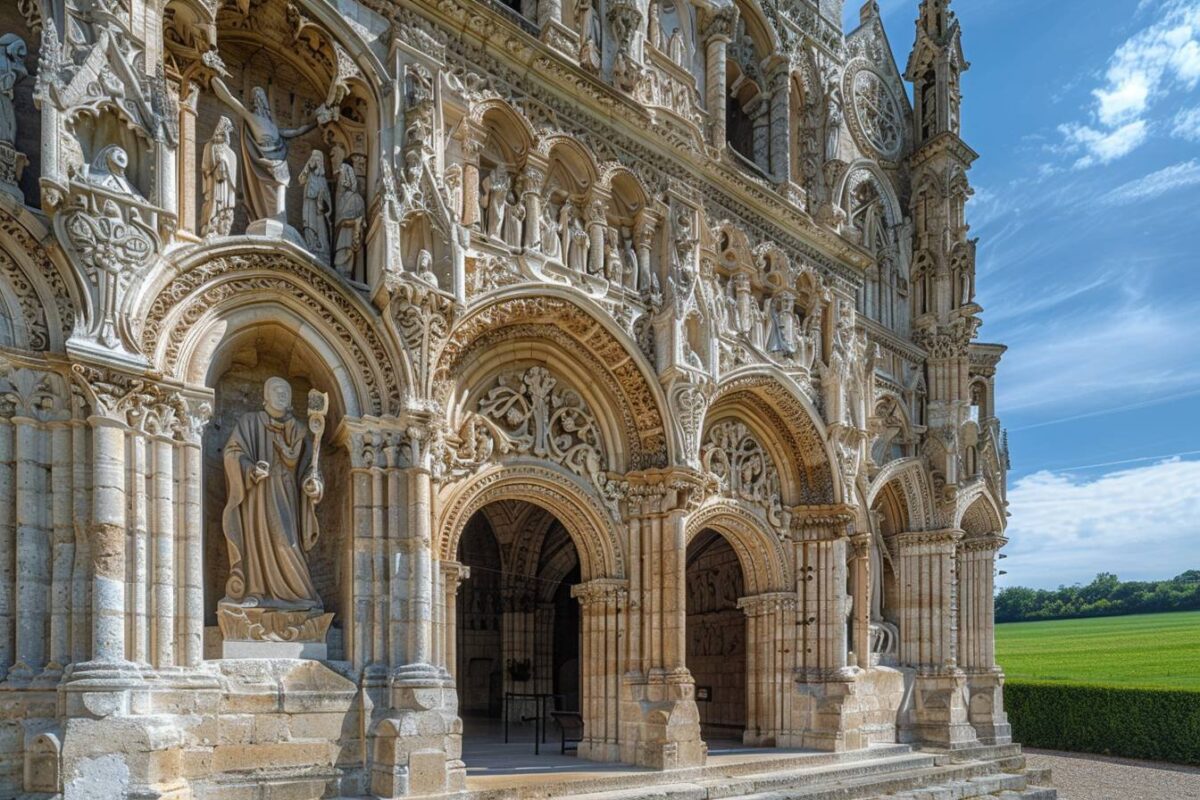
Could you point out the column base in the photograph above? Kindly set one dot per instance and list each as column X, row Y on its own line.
column 660, row 723
column 939, row 711
column 123, row 757
column 985, row 707
column 827, row 715
column 416, row 747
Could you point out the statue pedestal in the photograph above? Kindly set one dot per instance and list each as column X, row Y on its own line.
column 275, row 229
column 251, row 632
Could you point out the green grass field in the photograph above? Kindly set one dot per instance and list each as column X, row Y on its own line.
column 1149, row 651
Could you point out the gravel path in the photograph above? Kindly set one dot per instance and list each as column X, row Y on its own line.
column 1086, row 777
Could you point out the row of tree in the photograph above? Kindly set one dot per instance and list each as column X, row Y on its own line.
column 1106, row 596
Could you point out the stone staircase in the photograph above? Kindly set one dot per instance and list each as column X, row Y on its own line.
column 893, row 772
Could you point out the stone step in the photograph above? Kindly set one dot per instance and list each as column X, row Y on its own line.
column 1039, row 776
column 1030, row 793
column 959, row 781
column 776, row 781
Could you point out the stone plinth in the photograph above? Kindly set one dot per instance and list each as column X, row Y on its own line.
column 12, row 165
column 273, row 632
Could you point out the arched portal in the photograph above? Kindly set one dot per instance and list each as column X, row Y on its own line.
column 716, row 636
column 517, row 625
column 540, row 604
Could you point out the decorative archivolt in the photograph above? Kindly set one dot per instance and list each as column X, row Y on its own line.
column 616, row 365
column 176, row 309
column 907, row 476
column 532, row 413
column 976, row 511
column 744, row 470
column 41, row 306
column 762, row 555
column 806, row 473
column 593, row 529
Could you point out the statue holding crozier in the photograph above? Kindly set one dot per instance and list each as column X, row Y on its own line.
column 271, row 609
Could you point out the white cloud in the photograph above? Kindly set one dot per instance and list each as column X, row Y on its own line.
column 1187, row 125
column 1142, row 71
column 1105, row 146
column 1140, row 523
column 1176, row 176
column 1086, row 361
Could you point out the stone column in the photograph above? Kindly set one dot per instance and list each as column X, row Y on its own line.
column 139, row 574
column 603, row 606
column 191, row 521
column 163, row 499
column 535, row 180
column 780, row 140
column 827, row 683
column 63, row 555
column 415, row 742
column 595, row 227
column 717, row 35
column 660, row 724
column 108, row 541
column 860, row 567
column 977, row 638
column 770, row 669
column 472, row 148
column 645, row 226
column 928, row 632
column 189, row 95
column 8, row 546
column 33, row 552
column 453, row 574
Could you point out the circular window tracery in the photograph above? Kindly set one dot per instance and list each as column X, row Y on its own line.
column 877, row 113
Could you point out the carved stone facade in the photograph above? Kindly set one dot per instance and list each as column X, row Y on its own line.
column 647, row 331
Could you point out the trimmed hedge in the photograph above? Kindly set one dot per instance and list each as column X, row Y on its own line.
column 1156, row 724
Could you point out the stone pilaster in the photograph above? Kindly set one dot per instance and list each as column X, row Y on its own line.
column 780, row 120
column 825, row 703
column 415, row 738
column 928, row 637
column 717, row 35
column 660, row 724
column 770, row 669
column 603, row 607
column 977, row 638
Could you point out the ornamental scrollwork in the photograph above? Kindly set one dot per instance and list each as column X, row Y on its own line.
column 743, row 469
column 529, row 413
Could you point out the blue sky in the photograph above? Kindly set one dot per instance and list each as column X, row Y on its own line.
column 1086, row 114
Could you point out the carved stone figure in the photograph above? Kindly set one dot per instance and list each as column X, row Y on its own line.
column 425, row 268
column 588, row 16
column 264, row 154
column 13, row 53
column 551, row 235
column 270, row 514
column 493, row 200
column 629, row 259
column 219, row 171
column 348, row 222
column 578, row 243
column 317, row 206
column 107, row 171
column 833, row 123
column 514, row 222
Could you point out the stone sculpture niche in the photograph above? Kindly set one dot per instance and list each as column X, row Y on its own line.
column 272, row 467
column 13, row 53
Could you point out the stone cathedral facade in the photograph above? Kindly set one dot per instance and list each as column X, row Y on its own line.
column 369, row 365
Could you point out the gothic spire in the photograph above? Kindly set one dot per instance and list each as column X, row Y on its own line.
column 934, row 68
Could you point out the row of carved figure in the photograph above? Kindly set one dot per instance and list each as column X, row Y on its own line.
column 561, row 235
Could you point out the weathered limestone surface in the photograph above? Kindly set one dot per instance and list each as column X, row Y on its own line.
column 637, row 342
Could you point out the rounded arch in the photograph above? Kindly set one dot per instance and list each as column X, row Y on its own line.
column 907, row 479
column 765, row 564
column 591, row 527
column 977, row 513
column 211, row 295
column 777, row 406
column 38, row 295
column 573, row 155
column 510, row 126
column 582, row 333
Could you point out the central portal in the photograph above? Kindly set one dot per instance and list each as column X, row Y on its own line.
column 518, row 629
